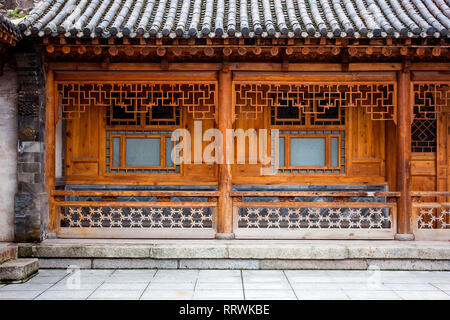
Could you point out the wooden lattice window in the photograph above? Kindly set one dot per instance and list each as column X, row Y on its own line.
column 429, row 99
column 310, row 140
column 310, row 151
column 140, row 152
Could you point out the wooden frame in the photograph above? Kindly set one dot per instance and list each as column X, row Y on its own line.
column 438, row 228
column 163, row 201
column 316, row 232
column 299, row 72
column 327, row 155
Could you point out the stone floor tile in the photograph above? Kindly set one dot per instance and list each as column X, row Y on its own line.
column 269, row 295
column 267, row 285
column 65, row 295
column 306, row 273
column 178, row 273
column 123, row 286
column 231, row 279
column 310, row 279
column 372, row 295
column 96, row 272
column 167, row 295
column 176, row 276
column 63, row 286
column 26, row 286
column 218, row 273
column 116, row 295
column 218, row 286
column 308, row 286
column 321, row 294
column 442, row 286
column 356, row 279
column 348, row 273
column 366, row 286
column 423, row 295
column 126, row 279
column 45, row 280
column 218, row 295
column 52, row 272
column 263, row 276
column 172, row 286
column 411, row 286
column 19, row 295
column 134, row 272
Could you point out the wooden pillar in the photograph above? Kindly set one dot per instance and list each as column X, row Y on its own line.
column 50, row 146
column 404, row 117
column 225, row 113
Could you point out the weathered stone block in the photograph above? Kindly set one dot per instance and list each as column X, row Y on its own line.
column 134, row 264
column 410, row 264
column 287, row 252
column 18, row 269
column 219, row 264
column 383, row 252
column 27, row 220
column 189, row 252
column 346, row 264
column 88, row 251
column 7, row 252
column 54, row 263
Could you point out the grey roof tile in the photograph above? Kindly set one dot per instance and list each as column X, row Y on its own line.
column 9, row 26
column 237, row 18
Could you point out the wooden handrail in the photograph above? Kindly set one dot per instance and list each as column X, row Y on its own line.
column 314, row 194
column 137, row 193
column 133, row 204
column 430, row 193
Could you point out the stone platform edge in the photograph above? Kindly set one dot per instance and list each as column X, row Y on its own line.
column 241, row 256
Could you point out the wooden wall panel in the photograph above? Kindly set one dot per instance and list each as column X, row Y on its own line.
column 366, row 144
column 83, row 143
column 423, row 172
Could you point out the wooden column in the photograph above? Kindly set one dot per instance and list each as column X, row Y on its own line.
column 404, row 117
column 50, row 146
column 225, row 112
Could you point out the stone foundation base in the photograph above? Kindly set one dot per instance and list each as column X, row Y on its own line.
column 239, row 254
column 247, row 264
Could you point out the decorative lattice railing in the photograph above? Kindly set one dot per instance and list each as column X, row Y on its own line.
column 430, row 215
column 315, row 215
column 135, row 214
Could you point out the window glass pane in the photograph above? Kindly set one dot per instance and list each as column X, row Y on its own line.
column 116, row 152
column 281, row 152
column 143, row 152
column 334, row 152
column 307, row 152
column 169, row 147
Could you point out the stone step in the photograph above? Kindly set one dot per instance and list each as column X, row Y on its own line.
column 18, row 270
column 8, row 251
column 240, row 254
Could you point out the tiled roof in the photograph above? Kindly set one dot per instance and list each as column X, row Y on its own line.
column 221, row 18
column 8, row 26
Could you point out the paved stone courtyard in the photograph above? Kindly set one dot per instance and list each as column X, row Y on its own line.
column 231, row 285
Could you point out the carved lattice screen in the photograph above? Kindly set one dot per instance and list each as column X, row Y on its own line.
column 430, row 98
column 378, row 99
column 199, row 98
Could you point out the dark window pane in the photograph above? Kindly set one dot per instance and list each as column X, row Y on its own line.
column 307, row 152
column 143, row 152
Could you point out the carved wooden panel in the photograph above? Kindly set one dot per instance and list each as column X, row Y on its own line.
column 138, row 97
column 378, row 99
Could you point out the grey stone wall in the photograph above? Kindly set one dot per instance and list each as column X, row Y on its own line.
column 31, row 201
column 8, row 150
